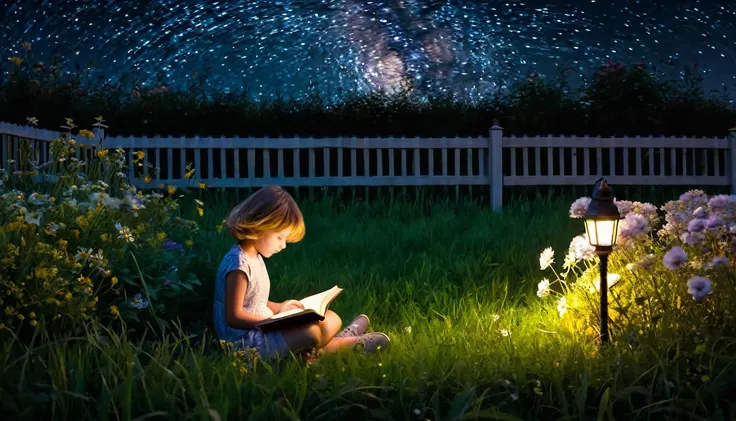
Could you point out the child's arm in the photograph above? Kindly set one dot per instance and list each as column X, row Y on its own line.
column 235, row 317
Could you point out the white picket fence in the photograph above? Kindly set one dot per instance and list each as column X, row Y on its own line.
column 530, row 161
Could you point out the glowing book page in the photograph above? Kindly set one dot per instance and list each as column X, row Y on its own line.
column 317, row 303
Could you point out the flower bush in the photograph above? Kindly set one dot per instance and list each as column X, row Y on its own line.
column 77, row 240
column 676, row 277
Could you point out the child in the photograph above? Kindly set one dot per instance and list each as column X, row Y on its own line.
column 262, row 225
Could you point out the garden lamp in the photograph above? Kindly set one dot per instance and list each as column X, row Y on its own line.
column 601, row 226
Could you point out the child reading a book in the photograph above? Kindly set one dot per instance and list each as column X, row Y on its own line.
column 262, row 225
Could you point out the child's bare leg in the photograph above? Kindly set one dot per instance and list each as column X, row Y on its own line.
column 337, row 343
column 319, row 335
column 330, row 326
column 302, row 337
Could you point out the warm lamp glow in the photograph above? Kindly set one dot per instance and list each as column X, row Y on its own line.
column 601, row 233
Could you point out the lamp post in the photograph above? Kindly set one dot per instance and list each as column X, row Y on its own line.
column 601, row 226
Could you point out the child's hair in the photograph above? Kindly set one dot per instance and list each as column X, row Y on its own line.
column 270, row 209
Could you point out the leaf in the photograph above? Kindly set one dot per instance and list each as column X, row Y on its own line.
column 460, row 404
column 603, row 407
column 631, row 390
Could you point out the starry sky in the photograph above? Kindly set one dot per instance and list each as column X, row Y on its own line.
column 469, row 48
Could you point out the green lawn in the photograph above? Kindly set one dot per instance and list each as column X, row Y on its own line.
column 453, row 285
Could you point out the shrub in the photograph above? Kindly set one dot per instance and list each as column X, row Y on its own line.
column 671, row 286
column 617, row 100
column 77, row 244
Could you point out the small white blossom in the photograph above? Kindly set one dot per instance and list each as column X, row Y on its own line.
column 562, row 306
column 543, row 288
column 546, row 258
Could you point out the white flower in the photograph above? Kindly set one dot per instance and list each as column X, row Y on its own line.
column 699, row 287
column 495, row 317
column 611, row 279
column 546, row 258
column 562, row 306
column 407, row 329
column 505, row 333
column 579, row 207
column 543, row 288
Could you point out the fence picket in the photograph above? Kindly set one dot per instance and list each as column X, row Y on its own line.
column 702, row 160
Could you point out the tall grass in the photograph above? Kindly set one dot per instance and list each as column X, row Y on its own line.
column 451, row 283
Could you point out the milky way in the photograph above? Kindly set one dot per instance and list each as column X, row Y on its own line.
column 467, row 48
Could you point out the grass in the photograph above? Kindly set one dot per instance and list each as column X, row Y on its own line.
column 442, row 280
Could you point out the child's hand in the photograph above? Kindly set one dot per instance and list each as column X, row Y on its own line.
column 291, row 304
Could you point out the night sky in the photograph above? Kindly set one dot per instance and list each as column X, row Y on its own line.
column 469, row 48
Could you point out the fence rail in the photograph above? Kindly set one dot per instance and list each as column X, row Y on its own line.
column 496, row 160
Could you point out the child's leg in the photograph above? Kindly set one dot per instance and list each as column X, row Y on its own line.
column 330, row 326
column 319, row 335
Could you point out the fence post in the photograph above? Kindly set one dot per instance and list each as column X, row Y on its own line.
column 495, row 166
column 732, row 160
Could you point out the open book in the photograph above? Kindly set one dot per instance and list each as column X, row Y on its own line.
column 315, row 307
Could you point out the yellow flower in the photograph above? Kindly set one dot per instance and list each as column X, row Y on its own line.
column 139, row 155
column 76, row 234
column 68, row 296
column 16, row 60
column 52, row 199
column 69, row 122
column 189, row 171
column 114, row 280
column 98, row 118
column 20, row 316
column 82, row 222
column 189, row 243
column 102, row 153
column 202, row 186
column 2, row 326
column 171, row 190
column 33, row 323
column 147, row 179
column 32, row 315
column 161, row 236
column 87, row 134
column 104, row 237
column 114, row 310
column 200, row 211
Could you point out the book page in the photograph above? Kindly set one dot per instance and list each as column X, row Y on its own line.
column 286, row 313
column 318, row 302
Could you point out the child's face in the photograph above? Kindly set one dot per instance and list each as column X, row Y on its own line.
column 272, row 242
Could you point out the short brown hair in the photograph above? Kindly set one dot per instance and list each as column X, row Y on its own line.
column 270, row 209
